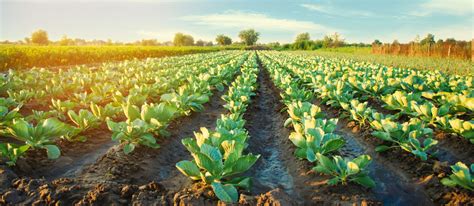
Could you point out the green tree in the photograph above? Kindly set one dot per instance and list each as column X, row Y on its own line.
column 200, row 42
column 337, row 40
column 181, row 39
column 249, row 36
column 302, row 37
column 223, row 40
column 377, row 42
column 428, row 40
column 40, row 37
column 327, row 41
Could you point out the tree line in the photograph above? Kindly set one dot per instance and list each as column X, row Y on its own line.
column 418, row 47
column 40, row 37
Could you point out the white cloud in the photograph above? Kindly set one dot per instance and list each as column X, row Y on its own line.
column 451, row 7
column 464, row 32
column 329, row 10
column 241, row 20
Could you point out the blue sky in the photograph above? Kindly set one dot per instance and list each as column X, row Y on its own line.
column 130, row 20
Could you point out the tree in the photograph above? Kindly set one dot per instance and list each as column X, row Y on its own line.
column 249, row 36
column 377, row 42
column 181, row 39
column 200, row 42
column 428, row 40
column 65, row 41
column 337, row 40
column 327, row 41
column 223, row 40
column 40, row 37
column 302, row 37
column 149, row 42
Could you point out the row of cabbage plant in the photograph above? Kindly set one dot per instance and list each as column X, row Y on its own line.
column 219, row 155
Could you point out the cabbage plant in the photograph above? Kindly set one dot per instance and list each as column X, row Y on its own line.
column 344, row 171
column 461, row 177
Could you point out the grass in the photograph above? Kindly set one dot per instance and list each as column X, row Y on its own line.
column 446, row 65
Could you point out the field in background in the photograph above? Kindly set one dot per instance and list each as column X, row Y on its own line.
column 447, row 65
column 21, row 57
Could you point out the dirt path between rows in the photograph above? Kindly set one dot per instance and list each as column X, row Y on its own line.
column 159, row 165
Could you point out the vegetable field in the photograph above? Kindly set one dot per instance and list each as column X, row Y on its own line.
column 245, row 127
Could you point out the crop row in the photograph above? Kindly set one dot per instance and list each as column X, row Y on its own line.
column 313, row 134
column 218, row 155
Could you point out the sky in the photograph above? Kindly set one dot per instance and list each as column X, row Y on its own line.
column 131, row 20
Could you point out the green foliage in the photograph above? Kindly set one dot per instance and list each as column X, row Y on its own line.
column 315, row 136
column 249, row 36
column 344, row 171
column 141, row 125
column 223, row 40
column 40, row 37
column 83, row 121
column 181, row 39
column 461, row 177
column 216, row 160
column 40, row 136
column 12, row 152
column 406, row 136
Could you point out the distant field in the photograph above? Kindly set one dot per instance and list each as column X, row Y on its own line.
column 451, row 66
column 21, row 57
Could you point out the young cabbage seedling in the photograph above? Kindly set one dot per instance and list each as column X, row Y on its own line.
column 42, row 135
column 461, row 177
column 344, row 171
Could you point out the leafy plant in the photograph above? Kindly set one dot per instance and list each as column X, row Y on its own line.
column 102, row 113
column 141, row 125
column 464, row 128
column 216, row 162
column 132, row 133
column 12, row 152
column 315, row 136
column 83, row 121
column 7, row 116
column 360, row 112
column 297, row 111
column 461, row 177
column 406, row 136
column 186, row 100
column 429, row 112
column 61, row 107
column 343, row 170
column 40, row 136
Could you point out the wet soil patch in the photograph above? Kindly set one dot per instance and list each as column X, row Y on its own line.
column 74, row 156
